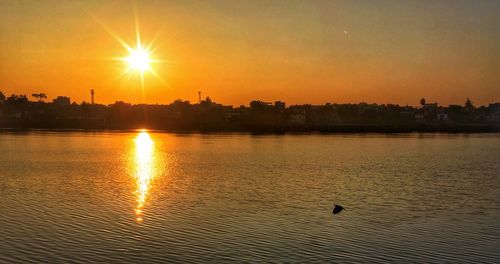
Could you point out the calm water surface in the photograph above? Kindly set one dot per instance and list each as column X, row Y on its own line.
column 147, row 197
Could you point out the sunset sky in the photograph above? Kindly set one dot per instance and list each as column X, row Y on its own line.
column 235, row 51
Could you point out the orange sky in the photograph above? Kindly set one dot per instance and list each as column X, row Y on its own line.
column 236, row 51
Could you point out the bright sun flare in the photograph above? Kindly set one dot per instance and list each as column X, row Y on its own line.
column 139, row 60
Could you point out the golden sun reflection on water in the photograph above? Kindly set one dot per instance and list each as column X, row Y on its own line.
column 145, row 170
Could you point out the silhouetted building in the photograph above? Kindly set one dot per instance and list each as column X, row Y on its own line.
column 17, row 111
column 297, row 118
column 442, row 115
column 494, row 112
column 279, row 105
column 258, row 104
column 430, row 107
column 61, row 101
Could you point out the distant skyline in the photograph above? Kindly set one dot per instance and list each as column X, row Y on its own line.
column 236, row 51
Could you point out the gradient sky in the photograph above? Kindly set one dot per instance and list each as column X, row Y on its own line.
column 235, row 51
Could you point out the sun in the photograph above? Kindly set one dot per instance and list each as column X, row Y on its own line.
column 139, row 60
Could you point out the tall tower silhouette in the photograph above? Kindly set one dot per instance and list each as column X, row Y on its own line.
column 92, row 96
column 199, row 97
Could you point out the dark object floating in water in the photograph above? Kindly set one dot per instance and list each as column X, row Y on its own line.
column 337, row 209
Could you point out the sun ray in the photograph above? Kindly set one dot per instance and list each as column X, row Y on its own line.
column 110, row 32
column 153, row 41
column 142, row 87
column 159, row 78
column 137, row 31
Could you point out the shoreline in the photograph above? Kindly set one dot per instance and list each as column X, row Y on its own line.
column 256, row 132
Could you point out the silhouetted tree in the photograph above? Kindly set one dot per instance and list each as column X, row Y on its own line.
column 2, row 97
column 258, row 104
column 469, row 107
column 16, row 103
column 39, row 96
column 261, row 116
column 17, row 99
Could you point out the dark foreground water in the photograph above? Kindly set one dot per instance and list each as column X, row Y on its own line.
column 150, row 197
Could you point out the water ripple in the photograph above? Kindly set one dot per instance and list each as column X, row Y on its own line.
column 238, row 198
